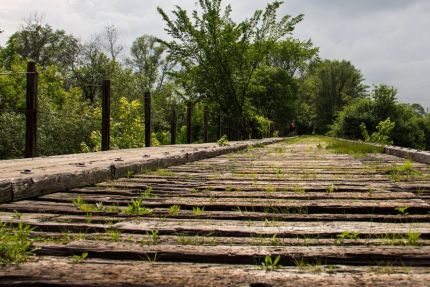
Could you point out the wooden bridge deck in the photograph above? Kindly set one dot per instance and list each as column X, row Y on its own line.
column 334, row 220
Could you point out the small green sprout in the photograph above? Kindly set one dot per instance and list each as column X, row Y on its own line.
column 402, row 210
column 79, row 258
column 136, row 208
column 197, row 211
column 174, row 210
column 270, row 264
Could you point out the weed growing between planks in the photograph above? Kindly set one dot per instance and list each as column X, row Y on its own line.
column 405, row 172
column 15, row 243
column 136, row 207
column 270, row 264
column 79, row 258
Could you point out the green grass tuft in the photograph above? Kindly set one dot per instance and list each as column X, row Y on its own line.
column 15, row 243
column 352, row 148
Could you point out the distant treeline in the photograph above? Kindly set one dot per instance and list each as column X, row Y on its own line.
column 253, row 76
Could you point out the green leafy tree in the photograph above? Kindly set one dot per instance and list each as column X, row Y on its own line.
column 275, row 95
column 385, row 101
column 293, row 56
column 409, row 130
column 39, row 42
column 331, row 85
column 359, row 111
column 149, row 61
column 225, row 54
column 92, row 67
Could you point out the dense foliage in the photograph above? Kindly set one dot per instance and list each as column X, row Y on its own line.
column 253, row 76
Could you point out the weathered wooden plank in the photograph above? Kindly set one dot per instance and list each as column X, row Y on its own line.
column 6, row 193
column 202, row 191
column 413, row 205
column 70, row 214
column 98, row 272
column 390, row 220
column 230, row 254
column 208, row 240
column 64, row 172
column 229, row 227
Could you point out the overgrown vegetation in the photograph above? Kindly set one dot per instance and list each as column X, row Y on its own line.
column 404, row 172
column 411, row 238
column 15, row 242
column 353, row 148
column 253, row 76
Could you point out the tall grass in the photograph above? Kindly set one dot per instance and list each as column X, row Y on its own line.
column 352, row 148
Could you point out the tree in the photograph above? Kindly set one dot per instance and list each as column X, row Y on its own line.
column 409, row 128
column 333, row 84
column 92, row 67
column 225, row 54
column 274, row 94
column 347, row 123
column 385, row 101
column 149, row 62
column 276, row 86
column 41, row 43
column 293, row 56
column 109, row 41
column 418, row 109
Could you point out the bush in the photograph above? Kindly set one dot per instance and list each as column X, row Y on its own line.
column 382, row 134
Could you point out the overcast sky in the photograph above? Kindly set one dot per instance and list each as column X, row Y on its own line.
column 388, row 40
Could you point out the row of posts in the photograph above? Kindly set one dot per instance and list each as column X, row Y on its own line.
column 31, row 116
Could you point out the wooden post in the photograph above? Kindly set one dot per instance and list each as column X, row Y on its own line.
column 219, row 126
column 205, row 124
column 106, row 115
column 270, row 130
column 31, row 111
column 189, row 120
column 173, row 128
column 147, row 119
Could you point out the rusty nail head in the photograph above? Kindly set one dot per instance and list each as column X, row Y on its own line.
column 81, row 164
column 27, row 171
